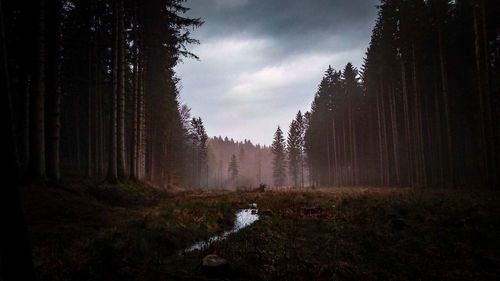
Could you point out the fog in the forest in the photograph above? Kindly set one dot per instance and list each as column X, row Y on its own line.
column 254, row 164
column 250, row 140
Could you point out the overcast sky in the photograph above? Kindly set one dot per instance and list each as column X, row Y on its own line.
column 262, row 60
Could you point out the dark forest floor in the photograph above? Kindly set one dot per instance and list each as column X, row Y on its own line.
column 133, row 232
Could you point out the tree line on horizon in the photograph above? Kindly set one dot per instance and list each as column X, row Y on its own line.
column 93, row 91
column 422, row 111
column 237, row 164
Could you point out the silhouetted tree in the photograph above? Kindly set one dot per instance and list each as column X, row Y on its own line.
column 293, row 149
column 279, row 151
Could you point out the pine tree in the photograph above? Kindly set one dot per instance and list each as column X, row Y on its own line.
column 294, row 151
column 199, row 150
column 301, row 125
column 352, row 94
column 279, row 164
column 203, row 149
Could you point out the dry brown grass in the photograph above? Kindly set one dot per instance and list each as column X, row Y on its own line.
column 131, row 232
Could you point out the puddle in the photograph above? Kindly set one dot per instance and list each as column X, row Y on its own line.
column 244, row 218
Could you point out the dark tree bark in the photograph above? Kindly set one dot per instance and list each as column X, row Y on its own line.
column 78, row 145
column 438, row 131
column 54, row 91
column 37, row 134
column 380, row 141
column 142, row 114
column 484, row 96
column 338, row 179
column 25, row 89
column 492, row 137
column 26, row 122
column 395, row 136
column 351, row 140
column 385, row 146
column 345, row 149
column 121, row 94
column 328, row 157
column 112, row 157
column 90, row 89
column 446, row 105
column 419, row 147
column 355, row 151
column 135, row 134
column 16, row 262
column 406, row 110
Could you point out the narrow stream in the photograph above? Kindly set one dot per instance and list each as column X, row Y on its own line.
column 244, row 218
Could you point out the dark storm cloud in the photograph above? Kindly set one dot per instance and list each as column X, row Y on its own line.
column 261, row 61
column 297, row 24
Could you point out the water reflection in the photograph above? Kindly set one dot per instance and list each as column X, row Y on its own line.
column 244, row 218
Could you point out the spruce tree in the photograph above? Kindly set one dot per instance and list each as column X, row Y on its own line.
column 294, row 151
column 203, row 137
column 299, row 119
column 279, row 165
column 199, row 149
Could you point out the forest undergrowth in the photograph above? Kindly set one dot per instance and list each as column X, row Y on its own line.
column 134, row 232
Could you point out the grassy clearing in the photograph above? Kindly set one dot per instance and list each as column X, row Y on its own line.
column 132, row 232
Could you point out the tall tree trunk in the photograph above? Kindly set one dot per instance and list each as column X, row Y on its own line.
column 25, row 143
column 480, row 94
column 446, row 105
column 380, row 140
column 54, row 91
column 150, row 151
column 7, row 112
column 385, row 148
column 89, row 91
column 142, row 115
column 328, row 158
column 492, row 136
column 338, row 179
column 76, row 114
column 112, row 158
column 352, row 144
column 345, row 149
column 438, row 132
column 97, row 90
column 135, row 81
column 301, row 166
column 97, row 119
column 27, row 40
column 387, row 179
column 395, row 136
column 355, row 151
column 406, row 112
column 483, row 91
column 419, row 156
column 16, row 262
column 38, row 99
column 102, row 135
column 121, row 94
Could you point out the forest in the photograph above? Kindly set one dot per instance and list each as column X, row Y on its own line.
column 421, row 111
column 391, row 174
